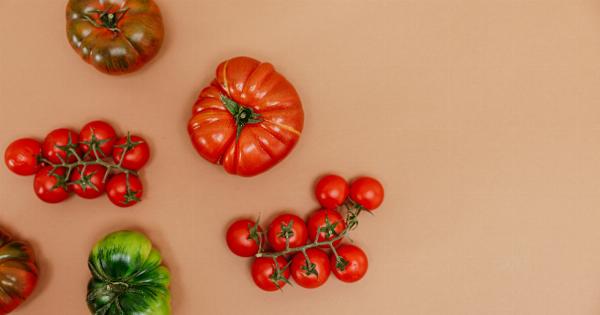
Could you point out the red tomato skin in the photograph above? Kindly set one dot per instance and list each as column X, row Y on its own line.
column 331, row 191
column 116, row 189
column 59, row 137
column 43, row 184
column 21, row 156
column 19, row 271
column 299, row 230
column 263, row 268
column 238, row 238
column 367, row 192
column 98, row 172
column 102, row 131
column 321, row 261
column 317, row 220
column 357, row 263
column 135, row 158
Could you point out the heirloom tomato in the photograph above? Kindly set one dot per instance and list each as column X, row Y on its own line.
column 327, row 224
column 21, row 156
column 18, row 272
column 287, row 226
column 310, row 274
column 352, row 265
column 267, row 275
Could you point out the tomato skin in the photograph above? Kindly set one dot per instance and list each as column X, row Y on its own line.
column 44, row 182
column 116, row 189
column 321, row 261
column 102, row 132
column 18, row 270
column 367, row 192
column 318, row 220
column 97, row 173
column 239, row 238
column 60, row 137
column 264, row 267
column 298, row 235
column 357, row 263
column 136, row 157
column 21, row 156
column 331, row 191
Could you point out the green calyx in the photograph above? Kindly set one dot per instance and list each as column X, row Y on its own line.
column 278, row 274
column 242, row 115
column 341, row 263
column 107, row 18
column 329, row 229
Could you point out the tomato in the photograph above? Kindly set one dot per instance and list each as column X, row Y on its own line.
column 244, row 237
column 21, row 156
column 91, row 184
column 287, row 225
column 99, row 134
column 328, row 223
column 116, row 37
column 266, row 276
column 248, row 119
column 314, row 274
column 331, row 191
column 367, row 192
column 18, row 272
column 51, row 186
column 120, row 193
column 59, row 145
column 138, row 152
column 352, row 265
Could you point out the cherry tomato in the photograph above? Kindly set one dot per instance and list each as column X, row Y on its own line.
column 100, row 134
column 120, row 194
column 21, row 156
column 51, row 186
column 330, row 223
column 314, row 274
column 59, row 144
column 265, row 275
column 137, row 154
column 331, row 191
column 352, row 265
column 90, row 185
column 287, row 224
column 243, row 237
column 367, row 192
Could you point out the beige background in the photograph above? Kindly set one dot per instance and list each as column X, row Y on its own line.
column 481, row 118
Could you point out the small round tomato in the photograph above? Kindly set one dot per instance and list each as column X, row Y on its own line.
column 244, row 237
column 290, row 226
column 352, row 264
column 331, row 191
column 123, row 194
column 367, row 192
column 59, row 145
column 313, row 274
column 328, row 224
column 133, row 150
column 91, row 184
column 269, row 277
column 100, row 135
column 50, row 186
column 21, row 156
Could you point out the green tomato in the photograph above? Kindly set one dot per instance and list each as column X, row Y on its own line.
column 127, row 277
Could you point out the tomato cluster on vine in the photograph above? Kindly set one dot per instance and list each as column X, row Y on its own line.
column 309, row 251
column 89, row 163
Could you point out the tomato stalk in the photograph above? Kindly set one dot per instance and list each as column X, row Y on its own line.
column 242, row 115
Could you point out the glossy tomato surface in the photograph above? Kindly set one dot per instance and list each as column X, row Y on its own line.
column 367, row 192
column 244, row 237
column 136, row 150
column 287, row 224
column 98, row 135
column 18, row 272
column 310, row 274
column 124, row 191
column 59, row 145
column 354, row 263
column 50, row 186
column 328, row 224
column 331, row 191
column 248, row 119
column 21, row 156
column 264, row 273
column 90, row 184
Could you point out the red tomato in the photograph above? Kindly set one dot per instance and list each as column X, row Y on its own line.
column 331, row 191
column 287, row 224
column 243, row 237
column 367, row 192
column 59, row 144
column 265, row 275
column 21, row 156
column 353, row 263
column 314, row 274
column 90, row 185
column 51, row 187
column 248, row 119
column 120, row 194
column 99, row 134
column 330, row 223
column 138, row 152
column 18, row 272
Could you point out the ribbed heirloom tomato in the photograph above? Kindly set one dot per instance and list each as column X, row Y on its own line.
column 248, row 119
column 18, row 272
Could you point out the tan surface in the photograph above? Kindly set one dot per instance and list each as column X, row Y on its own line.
column 482, row 119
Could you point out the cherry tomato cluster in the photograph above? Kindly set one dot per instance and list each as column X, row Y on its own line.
column 293, row 247
column 88, row 163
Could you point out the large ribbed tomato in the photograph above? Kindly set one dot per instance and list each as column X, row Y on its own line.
column 18, row 273
column 248, row 119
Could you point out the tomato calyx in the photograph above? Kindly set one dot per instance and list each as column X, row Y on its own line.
column 107, row 18
column 117, row 287
column 95, row 144
column 68, row 148
column 309, row 267
column 329, row 228
column 242, row 115
column 61, row 180
column 131, row 195
column 279, row 274
column 85, row 181
column 255, row 233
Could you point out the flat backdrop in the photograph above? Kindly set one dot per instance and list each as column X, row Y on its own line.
column 481, row 118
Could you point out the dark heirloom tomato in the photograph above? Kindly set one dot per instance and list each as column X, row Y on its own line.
column 248, row 119
column 115, row 36
column 18, row 272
